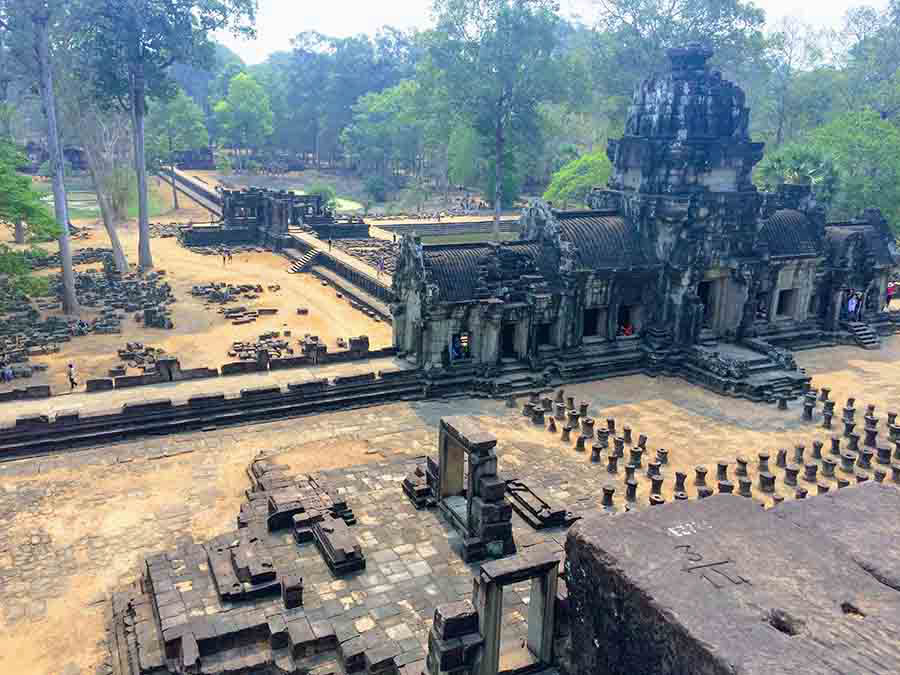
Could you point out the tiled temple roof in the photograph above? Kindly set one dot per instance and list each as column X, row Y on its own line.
column 456, row 269
column 790, row 233
column 602, row 241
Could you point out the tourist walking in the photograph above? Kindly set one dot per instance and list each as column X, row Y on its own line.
column 70, row 371
column 228, row 253
column 224, row 258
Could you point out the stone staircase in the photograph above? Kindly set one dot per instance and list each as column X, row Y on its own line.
column 300, row 262
column 864, row 335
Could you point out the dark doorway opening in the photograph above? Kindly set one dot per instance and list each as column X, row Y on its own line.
column 787, row 302
column 508, row 341
column 591, row 321
column 624, row 321
column 543, row 334
column 704, row 291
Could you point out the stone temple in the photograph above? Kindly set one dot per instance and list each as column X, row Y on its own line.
column 678, row 266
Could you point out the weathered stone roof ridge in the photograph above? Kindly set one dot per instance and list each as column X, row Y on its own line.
column 790, row 233
column 603, row 241
column 455, row 268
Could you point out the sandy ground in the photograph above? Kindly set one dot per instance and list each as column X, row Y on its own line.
column 77, row 525
column 202, row 336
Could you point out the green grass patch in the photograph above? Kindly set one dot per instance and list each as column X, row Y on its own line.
column 467, row 238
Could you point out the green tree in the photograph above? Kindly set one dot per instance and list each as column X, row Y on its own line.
column 245, row 115
column 326, row 192
column 575, row 180
column 499, row 61
column 20, row 204
column 634, row 35
column 464, row 152
column 174, row 126
column 800, row 163
column 865, row 151
column 29, row 24
column 135, row 43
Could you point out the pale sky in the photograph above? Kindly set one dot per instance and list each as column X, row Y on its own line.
column 280, row 20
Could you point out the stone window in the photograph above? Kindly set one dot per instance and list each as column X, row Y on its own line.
column 787, row 303
column 592, row 322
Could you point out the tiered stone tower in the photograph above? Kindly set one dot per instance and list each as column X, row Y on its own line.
column 682, row 175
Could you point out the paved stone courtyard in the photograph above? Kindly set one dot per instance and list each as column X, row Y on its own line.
column 77, row 526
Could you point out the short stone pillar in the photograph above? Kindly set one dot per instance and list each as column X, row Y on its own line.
column 560, row 414
column 611, row 425
column 853, row 442
column 603, row 438
column 864, row 460
column 726, row 487
column 612, row 465
column 608, row 492
column 790, row 474
column 704, row 492
column 636, row 456
column 822, row 488
column 528, row 409
column 810, row 472
column 800, row 493
column 721, row 470
column 579, row 443
column 619, row 445
column 587, row 426
column 662, row 455
column 781, row 458
column 798, row 453
column 573, row 417
column 828, row 466
column 745, row 487
column 763, row 461
column 826, row 419
column 817, row 449
column 700, row 476
column 657, row 500
column 653, row 469
column 547, row 402
column 564, row 436
column 551, row 425
column 835, row 446
column 871, row 438
column 631, row 487
column 583, row 408
column 642, row 442
column 570, row 402
column 626, row 434
column 629, row 470
column 680, row 477
column 808, row 407
column 595, row 452
column 848, row 428
column 537, row 416
column 884, row 456
column 741, row 467
column 767, row 482
column 848, row 462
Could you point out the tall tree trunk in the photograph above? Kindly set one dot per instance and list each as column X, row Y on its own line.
column 106, row 212
column 20, row 232
column 42, row 30
column 499, row 146
column 138, row 112
column 174, row 189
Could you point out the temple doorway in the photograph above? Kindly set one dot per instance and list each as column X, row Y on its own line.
column 707, row 297
column 508, row 341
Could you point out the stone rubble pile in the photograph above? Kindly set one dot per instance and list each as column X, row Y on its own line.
column 274, row 344
column 371, row 251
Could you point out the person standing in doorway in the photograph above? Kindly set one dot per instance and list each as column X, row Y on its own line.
column 70, row 371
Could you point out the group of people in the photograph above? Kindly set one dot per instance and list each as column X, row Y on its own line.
column 226, row 257
column 6, row 372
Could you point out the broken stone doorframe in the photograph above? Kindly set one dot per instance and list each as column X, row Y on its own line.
column 542, row 568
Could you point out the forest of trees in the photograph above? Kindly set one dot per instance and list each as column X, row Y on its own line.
column 503, row 97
